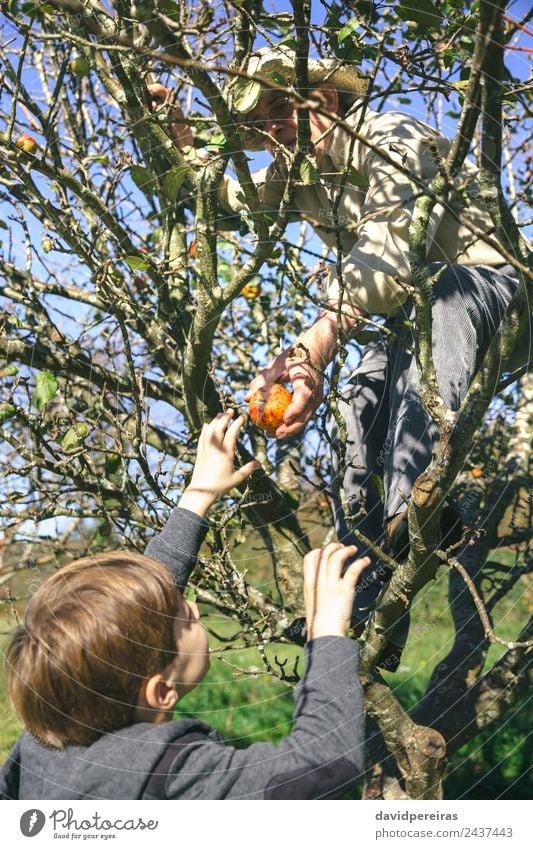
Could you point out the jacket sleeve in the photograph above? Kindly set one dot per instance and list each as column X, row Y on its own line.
column 322, row 756
column 178, row 543
column 372, row 273
column 270, row 182
column 10, row 775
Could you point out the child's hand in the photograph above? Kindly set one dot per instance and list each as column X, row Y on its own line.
column 214, row 472
column 329, row 596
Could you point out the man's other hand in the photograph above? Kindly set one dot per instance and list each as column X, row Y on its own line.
column 164, row 98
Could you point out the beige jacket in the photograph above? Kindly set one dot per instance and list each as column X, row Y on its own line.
column 373, row 219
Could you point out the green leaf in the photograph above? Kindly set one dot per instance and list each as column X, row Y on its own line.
column 354, row 178
column 143, row 178
column 218, row 143
column 45, row 388
column 288, row 41
column 280, row 23
column 308, row 172
column 246, row 94
column 190, row 594
column 30, row 8
column 15, row 321
column 7, row 411
column 103, row 158
column 173, row 181
column 348, row 29
column 3, row 225
column 421, row 12
column 461, row 85
column 170, row 9
column 74, row 437
column 276, row 77
column 224, row 270
column 137, row 263
column 112, row 464
column 379, row 484
column 11, row 371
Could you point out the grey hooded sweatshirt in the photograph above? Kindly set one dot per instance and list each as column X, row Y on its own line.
column 186, row 759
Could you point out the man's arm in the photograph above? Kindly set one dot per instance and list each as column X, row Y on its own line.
column 316, row 347
column 270, row 181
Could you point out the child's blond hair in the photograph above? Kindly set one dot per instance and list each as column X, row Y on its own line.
column 92, row 632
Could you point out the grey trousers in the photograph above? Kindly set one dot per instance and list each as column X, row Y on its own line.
column 390, row 436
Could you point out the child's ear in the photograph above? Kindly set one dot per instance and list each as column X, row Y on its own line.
column 159, row 693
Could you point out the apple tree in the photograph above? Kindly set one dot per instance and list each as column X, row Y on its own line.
column 134, row 309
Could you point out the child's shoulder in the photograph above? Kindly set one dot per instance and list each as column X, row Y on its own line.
column 115, row 766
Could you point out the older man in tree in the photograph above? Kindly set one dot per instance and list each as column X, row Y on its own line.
column 361, row 206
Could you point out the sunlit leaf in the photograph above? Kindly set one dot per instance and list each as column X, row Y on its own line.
column 348, row 29
column 74, row 437
column 288, row 41
column 7, row 411
column 218, row 143
column 137, row 263
column 246, row 95
column 308, row 172
column 45, row 388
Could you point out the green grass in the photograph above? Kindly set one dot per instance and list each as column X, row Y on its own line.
column 255, row 707
column 498, row 761
column 246, row 708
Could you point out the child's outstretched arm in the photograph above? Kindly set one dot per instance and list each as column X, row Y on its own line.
column 323, row 754
column 214, row 474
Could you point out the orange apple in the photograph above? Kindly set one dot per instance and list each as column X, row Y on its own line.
column 27, row 143
column 267, row 406
column 251, row 291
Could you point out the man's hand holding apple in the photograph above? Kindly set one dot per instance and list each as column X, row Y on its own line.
column 303, row 364
column 307, row 386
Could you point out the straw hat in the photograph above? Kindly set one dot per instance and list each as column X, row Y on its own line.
column 278, row 64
